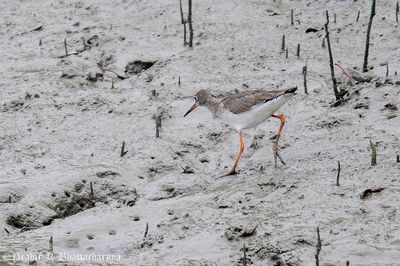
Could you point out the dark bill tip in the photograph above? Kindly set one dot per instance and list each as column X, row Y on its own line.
column 291, row 90
column 191, row 109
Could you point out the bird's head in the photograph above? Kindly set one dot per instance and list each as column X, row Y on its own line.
column 200, row 99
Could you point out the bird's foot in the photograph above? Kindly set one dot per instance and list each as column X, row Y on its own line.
column 232, row 172
column 274, row 137
column 275, row 151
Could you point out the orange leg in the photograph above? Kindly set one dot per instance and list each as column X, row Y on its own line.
column 275, row 148
column 241, row 149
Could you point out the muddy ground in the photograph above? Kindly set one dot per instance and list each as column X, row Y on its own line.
column 64, row 118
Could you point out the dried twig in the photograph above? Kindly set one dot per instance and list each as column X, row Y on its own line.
column 358, row 16
column 91, row 190
column 8, row 232
column 387, row 69
column 335, row 90
column 91, row 195
column 123, row 151
column 147, row 230
column 51, row 244
column 183, row 168
column 305, row 79
column 338, row 174
column 84, row 44
column 291, row 17
column 397, row 12
column 318, row 248
column 190, row 24
column 369, row 191
column 158, row 125
column 186, row 170
column 244, row 255
column 373, row 153
column 287, row 53
column 365, row 65
column 344, row 71
column 181, row 10
column 66, row 50
column 183, row 22
column 65, row 47
column 112, row 71
column 298, row 50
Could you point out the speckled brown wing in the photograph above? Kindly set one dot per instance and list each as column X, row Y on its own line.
column 245, row 100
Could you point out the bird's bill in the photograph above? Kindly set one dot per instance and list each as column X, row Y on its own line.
column 191, row 108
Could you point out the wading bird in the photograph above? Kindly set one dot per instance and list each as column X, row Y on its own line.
column 245, row 110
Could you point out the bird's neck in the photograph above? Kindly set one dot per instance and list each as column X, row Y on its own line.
column 213, row 106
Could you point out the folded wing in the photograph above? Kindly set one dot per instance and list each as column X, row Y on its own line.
column 244, row 101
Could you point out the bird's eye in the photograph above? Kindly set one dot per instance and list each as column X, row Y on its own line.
column 196, row 98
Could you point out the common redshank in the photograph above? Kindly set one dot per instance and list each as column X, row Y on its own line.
column 245, row 110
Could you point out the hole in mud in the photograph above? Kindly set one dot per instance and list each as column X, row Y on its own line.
column 69, row 202
column 73, row 206
column 137, row 66
column 83, row 198
column 16, row 221
column 48, row 222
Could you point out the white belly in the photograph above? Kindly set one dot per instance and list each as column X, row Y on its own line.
column 256, row 115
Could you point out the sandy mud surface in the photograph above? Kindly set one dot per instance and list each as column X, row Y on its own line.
column 64, row 118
